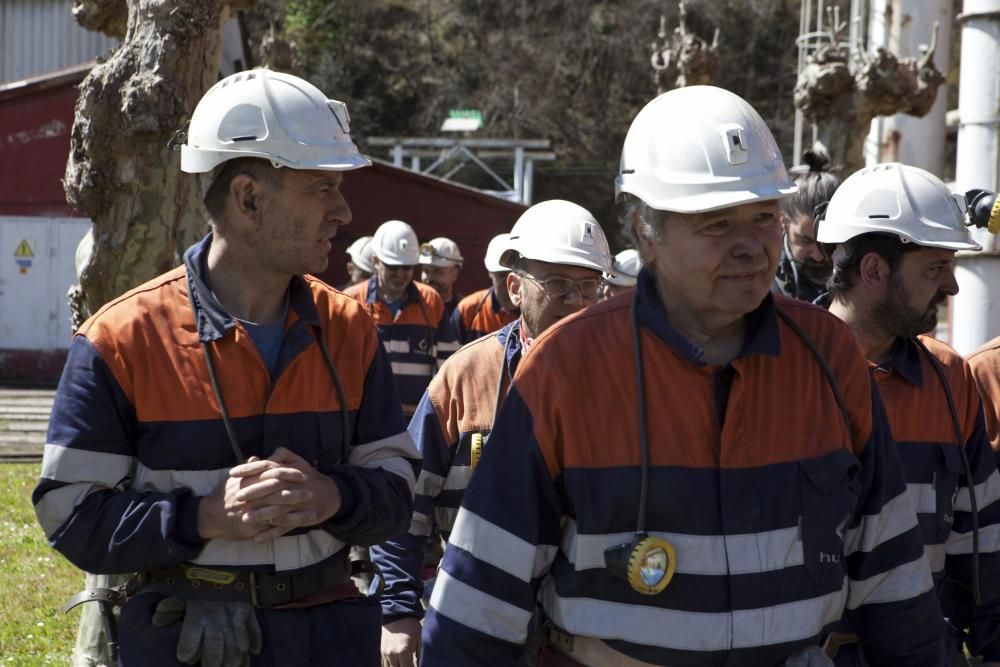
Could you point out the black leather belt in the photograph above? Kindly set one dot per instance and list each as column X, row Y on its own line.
column 262, row 589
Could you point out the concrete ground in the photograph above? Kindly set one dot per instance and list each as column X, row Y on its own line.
column 24, row 418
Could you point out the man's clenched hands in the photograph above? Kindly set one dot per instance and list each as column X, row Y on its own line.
column 265, row 498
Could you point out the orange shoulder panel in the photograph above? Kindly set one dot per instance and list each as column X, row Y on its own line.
column 580, row 384
column 985, row 366
column 464, row 390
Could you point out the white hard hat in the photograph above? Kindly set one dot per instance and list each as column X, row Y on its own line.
column 558, row 232
column 395, row 244
column 440, row 252
column 895, row 198
column 700, row 148
column 271, row 115
column 625, row 268
column 496, row 248
column 361, row 253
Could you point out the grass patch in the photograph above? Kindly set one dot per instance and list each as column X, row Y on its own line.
column 35, row 580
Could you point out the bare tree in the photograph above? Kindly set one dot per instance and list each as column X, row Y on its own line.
column 121, row 171
column 842, row 97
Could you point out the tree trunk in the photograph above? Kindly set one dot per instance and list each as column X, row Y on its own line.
column 121, row 171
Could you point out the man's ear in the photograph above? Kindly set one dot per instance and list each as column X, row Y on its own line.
column 245, row 194
column 514, row 284
column 873, row 270
column 643, row 244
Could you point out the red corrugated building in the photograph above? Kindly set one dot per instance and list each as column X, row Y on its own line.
column 36, row 117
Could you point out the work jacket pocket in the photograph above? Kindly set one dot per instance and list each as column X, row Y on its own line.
column 830, row 490
column 946, row 476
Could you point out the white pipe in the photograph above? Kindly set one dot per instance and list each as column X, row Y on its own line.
column 976, row 320
column 901, row 138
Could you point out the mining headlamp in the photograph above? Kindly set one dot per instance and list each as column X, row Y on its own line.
column 647, row 563
column 984, row 209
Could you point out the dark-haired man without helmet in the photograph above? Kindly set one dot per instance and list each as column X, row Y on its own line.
column 803, row 269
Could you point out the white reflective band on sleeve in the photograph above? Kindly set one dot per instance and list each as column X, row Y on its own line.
column 444, row 346
column 900, row 583
column 961, row 543
column 897, row 517
column 416, row 370
column 474, row 609
column 393, row 454
column 420, row 525
column 429, row 484
column 750, row 553
column 66, row 464
column 458, row 478
column 58, row 504
column 288, row 552
column 492, row 544
column 693, row 631
column 987, row 493
column 201, row 482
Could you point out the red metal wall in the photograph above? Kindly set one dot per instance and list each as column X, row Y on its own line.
column 35, row 122
column 432, row 207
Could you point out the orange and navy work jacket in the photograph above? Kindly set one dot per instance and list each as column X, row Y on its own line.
column 985, row 365
column 783, row 517
column 459, row 403
column 478, row 314
column 418, row 338
column 136, row 434
column 924, row 430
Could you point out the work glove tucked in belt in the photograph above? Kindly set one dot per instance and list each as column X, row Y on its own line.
column 216, row 634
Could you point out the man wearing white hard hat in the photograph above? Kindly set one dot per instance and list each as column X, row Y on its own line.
column 229, row 428
column 409, row 314
column 555, row 256
column 488, row 309
column 893, row 231
column 440, row 262
column 624, row 273
column 359, row 262
column 647, row 481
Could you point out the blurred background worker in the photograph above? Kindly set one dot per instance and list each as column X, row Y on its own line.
column 410, row 315
column 803, row 269
column 440, row 263
column 556, row 254
column 488, row 309
column 646, row 480
column 896, row 229
column 623, row 273
column 359, row 261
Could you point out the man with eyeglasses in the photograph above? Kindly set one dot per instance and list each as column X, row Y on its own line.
column 410, row 315
column 556, row 255
column 440, row 262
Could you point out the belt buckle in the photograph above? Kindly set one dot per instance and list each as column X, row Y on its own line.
column 253, row 589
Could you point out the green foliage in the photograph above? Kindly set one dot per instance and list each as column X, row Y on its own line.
column 36, row 581
column 572, row 71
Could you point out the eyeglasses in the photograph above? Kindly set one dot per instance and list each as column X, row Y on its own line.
column 556, row 286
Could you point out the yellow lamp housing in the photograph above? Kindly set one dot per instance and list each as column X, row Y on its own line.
column 647, row 563
column 475, row 450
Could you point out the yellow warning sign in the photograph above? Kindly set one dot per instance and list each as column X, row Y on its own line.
column 24, row 250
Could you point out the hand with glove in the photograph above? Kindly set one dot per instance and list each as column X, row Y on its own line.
column 213, row 634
